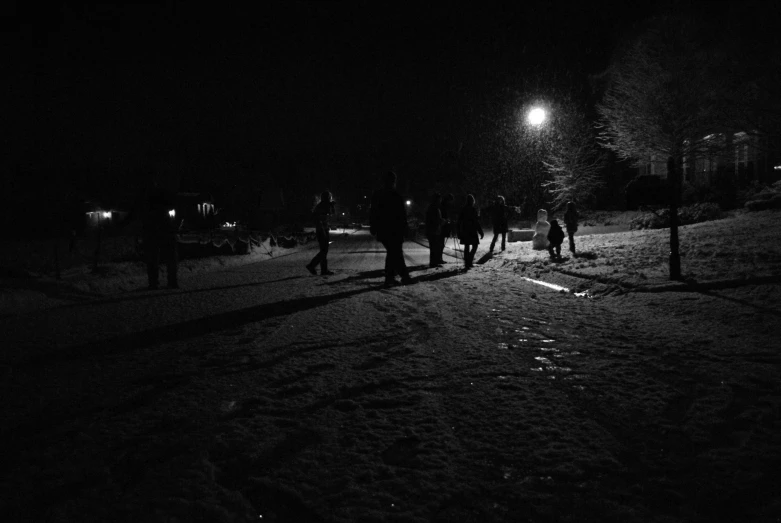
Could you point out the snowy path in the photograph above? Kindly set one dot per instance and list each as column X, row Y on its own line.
column 263, row 390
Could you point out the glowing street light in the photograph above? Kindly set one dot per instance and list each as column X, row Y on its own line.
column 409, row 202
column 536, row 116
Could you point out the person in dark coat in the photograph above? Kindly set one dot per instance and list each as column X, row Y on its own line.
column 555, row 239
column 434, row 224
column 388, row 222
column 159, row 226
column 321, row 212
column 468, row 229
column 499, row 222
column 449, row 216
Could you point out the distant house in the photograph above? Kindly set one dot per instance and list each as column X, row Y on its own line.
column 738, row 156
column 98, row 216
column 196, row 210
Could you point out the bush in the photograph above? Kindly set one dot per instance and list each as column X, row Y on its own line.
column 697, row 213
column 750, row 192
column 761, row 197
column 772, row 202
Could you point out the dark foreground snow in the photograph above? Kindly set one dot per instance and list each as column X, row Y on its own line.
column 261, row 393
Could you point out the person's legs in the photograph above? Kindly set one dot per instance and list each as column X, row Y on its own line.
column 571, row 241
column 493, row 242
column 324, row 253
column 399, row 264
column 504, row 240
column 469, row 254
column 390, row 273
column 322, row 241
column 314, row 263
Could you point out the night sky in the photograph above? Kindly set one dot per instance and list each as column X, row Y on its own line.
column 339, row 90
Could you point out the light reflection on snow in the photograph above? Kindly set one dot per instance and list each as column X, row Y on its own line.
column 558, row 288
column 546, row 284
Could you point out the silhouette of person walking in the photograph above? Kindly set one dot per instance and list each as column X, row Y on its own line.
column 434, row 225
column 499, row 222
column 468, row 229
column 321, row 212
column 159, row 224
column 388, row 222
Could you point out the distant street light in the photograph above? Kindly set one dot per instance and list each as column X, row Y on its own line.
column 536, row 116
column 409, row 202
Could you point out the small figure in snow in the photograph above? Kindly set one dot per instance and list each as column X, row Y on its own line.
column 571, row 222
column 388, row 221
column 541, row 228
column 468, row 229
column 321, row 212
column 434, row 225
column 555, row 239
column 499, row 221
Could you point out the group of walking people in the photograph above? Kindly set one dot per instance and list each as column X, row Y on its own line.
column 388, row 223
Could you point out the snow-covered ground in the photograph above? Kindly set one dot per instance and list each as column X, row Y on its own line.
column 257, row 392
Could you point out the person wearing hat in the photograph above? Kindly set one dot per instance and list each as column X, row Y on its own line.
column 321, row 212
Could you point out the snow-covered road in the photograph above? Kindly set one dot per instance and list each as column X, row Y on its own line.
column 265, row 391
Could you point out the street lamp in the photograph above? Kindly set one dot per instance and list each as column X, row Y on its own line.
column 409, row 202
column 536, row 116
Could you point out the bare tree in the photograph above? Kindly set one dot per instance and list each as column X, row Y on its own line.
column 662, row 95
column 663, row 100
column 575, row 165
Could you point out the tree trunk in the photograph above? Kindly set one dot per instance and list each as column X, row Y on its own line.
column 673, row 179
